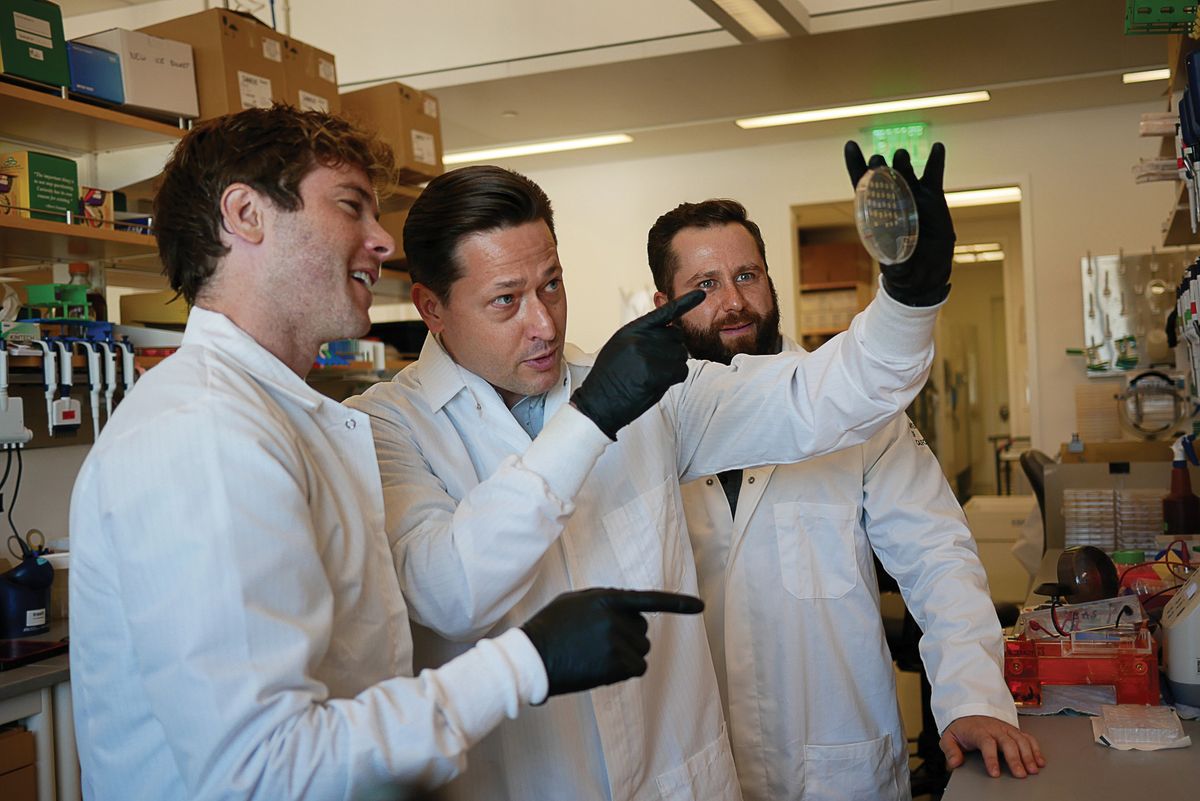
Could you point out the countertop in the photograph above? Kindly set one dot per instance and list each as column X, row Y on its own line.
column 1076, row 767
column 36, row 675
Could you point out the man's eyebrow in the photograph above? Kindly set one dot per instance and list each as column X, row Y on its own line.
column 701, row 274
column 364, row 194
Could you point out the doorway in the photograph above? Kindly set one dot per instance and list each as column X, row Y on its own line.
column 976, row 400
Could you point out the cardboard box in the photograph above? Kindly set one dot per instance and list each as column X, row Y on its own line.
column 158, row 75
column 311, row 77
column 405, row 118
column 239, row 61
column 16, row 750
column 164, row 309
column 393, row 223
column 96, row 207
column 19, row 785
column 48, row 185
column 32, row 45
column 834, row 262
column 95, row 72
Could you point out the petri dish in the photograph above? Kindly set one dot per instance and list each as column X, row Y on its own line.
column 886, row 215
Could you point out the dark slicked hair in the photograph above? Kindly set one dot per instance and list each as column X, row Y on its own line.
column 269, row 149
column 460, row 203
column 663, row 259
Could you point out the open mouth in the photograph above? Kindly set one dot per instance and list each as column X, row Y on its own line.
column 365, row 278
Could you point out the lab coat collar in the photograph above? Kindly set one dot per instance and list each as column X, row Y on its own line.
column 209, row 329
column 441, row 378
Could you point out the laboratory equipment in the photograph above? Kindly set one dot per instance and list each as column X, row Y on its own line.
column 1059, row 620
column 886, row 215
column 1086, row 573
column 1122, row 659
column 1181, row 642
column 25, row 598
column 1181, row 507
column 67, row 412
column 13, row 432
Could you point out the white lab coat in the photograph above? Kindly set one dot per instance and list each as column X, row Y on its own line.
column 793, row 619
column 486, row 527
column 236, row 624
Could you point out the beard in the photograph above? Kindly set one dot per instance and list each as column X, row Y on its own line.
column 707, row 344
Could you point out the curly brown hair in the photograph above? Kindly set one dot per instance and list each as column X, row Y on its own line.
column 269, row 149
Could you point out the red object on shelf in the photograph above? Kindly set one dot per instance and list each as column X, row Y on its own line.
column 1128, row 663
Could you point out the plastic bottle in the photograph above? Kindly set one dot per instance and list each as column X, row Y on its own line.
column 1181, row 507
column 81, row 276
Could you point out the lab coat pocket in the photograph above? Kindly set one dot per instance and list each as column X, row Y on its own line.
column 816, row 548
column 854, row 771
column 708, row 775
column 645, row 536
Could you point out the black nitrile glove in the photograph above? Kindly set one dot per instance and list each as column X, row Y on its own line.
column 595, row 637
column 924, row 279
column 634, row 368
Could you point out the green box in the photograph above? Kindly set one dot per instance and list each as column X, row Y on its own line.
column 1146, row 17
column 42, row 186
column 56, row 300
column 32, row 45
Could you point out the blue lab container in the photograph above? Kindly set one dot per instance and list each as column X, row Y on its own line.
column 95, row 72
column 25, row 598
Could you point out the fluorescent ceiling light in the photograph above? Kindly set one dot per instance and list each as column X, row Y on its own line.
column 865, row 109
column 1146, row 75
column 749, row 15
column 984, row 197
column 980, row 248
column 510, row 151
column 972, row 258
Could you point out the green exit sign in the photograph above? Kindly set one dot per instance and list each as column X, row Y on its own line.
column 913, row 137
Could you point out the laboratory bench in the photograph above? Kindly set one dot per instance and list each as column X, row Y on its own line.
column 1076, row 766
column 39, row 696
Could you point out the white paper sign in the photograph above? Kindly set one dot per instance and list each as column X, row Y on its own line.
column 311, row 102
column 272, row 50
column 423, row 148
column 326, row 71
column 255, row 90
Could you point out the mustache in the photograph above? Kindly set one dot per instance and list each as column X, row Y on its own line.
column 735, row 320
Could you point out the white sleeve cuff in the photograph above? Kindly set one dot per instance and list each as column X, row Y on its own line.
column 894, row 332
column 565, row 451
column 533, row 683
column 1007, row 713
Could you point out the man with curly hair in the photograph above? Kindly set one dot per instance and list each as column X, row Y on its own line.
column 237, row 628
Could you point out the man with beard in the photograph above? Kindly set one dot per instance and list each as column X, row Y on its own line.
column 784, row 559
column 515, row 467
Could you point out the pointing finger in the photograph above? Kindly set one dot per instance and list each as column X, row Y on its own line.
column 673, row 310
column 653, row 601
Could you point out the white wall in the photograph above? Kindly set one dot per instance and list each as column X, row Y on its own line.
column 1074, row 168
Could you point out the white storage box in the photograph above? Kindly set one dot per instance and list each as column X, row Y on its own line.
column 159, row 74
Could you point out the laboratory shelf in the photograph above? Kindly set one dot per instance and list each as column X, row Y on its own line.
column 1177, row 229
column 38, row 118
column 26, row 241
